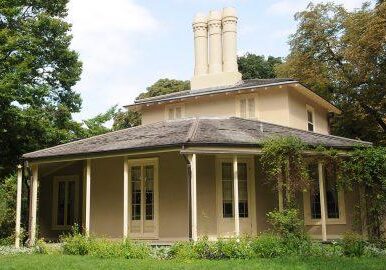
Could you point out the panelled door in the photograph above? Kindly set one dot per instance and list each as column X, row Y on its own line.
column 143, row 198
column 225, row 197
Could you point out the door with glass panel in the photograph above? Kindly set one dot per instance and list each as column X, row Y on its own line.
column 143, row 198
column 225, row 197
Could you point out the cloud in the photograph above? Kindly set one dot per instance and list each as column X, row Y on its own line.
column 108, row 36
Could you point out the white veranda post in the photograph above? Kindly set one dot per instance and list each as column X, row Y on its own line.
column 236, row 196
column 322, row 195
column 33, row 204
column 125, row 197
column 18, row 205
column 87, row 195
column 193, row 195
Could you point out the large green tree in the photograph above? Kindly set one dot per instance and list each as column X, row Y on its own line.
column 342, row 56
column 253, row 66
column 37, row 72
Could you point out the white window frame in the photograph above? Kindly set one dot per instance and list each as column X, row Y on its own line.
column 174, row 107
column 143, row 235
column 312, row 110
column 56, row 180
column 308, row 220
column 246, row 97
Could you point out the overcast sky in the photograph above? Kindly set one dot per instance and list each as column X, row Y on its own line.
column 126, row 45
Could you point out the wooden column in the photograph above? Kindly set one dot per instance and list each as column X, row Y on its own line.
column 280, row 194
column 33, row 204
column 322, row 195
column 18, row 205
column 87, row 191
column 193, row 195
column 125, row 197
column 236, row 197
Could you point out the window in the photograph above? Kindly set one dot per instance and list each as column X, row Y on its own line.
column 227, row 189
column 310, row 119
column 174, row 112
column 65, row 202
column 334, row 199
column 246, row 107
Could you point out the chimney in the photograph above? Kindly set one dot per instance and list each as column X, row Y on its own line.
column 219, row 29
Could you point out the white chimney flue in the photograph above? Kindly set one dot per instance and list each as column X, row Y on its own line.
column 200, row 29
column 216, row 66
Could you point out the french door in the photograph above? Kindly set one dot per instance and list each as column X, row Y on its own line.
column 225, row 197
column 143, row 198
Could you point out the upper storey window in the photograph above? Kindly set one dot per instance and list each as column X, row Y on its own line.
column 246, row 106
column 310, row 118
column 174, row 112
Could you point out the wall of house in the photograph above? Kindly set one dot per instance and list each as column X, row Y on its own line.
column 283, row 106
column 298, row 113
column 47, row 173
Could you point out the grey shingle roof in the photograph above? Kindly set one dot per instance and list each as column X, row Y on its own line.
column 206, row 91
column 231, row 131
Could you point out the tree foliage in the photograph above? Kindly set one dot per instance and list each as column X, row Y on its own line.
column 367, row 168
column 342, row 56
column 37, row 73
column 164, row 86
column 284, row 164
column 253, row 66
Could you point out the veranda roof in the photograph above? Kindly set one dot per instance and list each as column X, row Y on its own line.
column 232, row 131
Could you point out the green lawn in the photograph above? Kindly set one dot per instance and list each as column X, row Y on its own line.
column 41, row 262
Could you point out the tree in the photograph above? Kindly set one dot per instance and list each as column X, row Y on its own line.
column 254, row 66
column 164, row 86
column 342, row 56
column 96, row 125
column 37, row 73
column 126, row 119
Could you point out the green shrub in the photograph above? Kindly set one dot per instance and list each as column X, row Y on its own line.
column 204, row 249
column 75, row 243
column 41, row 247
column 268, row 245
column 318, row 249
column 353, row 244
column 104, row 248
column 286, row 223
column 374, row 251
column 183, row 250
column 135, row 250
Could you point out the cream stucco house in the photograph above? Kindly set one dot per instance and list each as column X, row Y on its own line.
column 191, row 169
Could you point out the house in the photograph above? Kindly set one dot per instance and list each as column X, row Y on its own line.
column 192, row 168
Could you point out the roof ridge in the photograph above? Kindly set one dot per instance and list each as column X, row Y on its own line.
column 193, row 130
column 302, row 130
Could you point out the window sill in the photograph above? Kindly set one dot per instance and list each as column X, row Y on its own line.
column 330, row 221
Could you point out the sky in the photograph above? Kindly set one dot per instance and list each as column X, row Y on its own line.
column 127, row 45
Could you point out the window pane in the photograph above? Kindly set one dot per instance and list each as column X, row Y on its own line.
column 331, row 197
column 227, row 189
column 149, row 185
column 71, row 203
column 136, row 193
column 310, row 117
column 243, row 189
column 251, row 108
column 243, row 108
column 61, row 202
column 310, row 127
column 178, row 112
column 315, row 196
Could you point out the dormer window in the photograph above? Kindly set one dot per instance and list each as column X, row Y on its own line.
column 310, row 118
column 174, row 112
column 246, row 105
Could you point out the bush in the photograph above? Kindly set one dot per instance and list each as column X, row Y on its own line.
column 268, row 245
column 234, row 248
column 353, row 244
column 76, row 243
column 287, row 223
column 183, row 250
column 135, row 250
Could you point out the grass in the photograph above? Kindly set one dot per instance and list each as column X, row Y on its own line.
column 39, row 262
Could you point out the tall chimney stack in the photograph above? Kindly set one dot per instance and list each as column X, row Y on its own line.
column 219, row 68
column 200, row 29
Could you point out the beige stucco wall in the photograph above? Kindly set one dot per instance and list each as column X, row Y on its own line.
column 284, row 106
column 298, row 112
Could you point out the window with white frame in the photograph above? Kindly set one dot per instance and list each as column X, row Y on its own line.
column 334, row 201
column 65, row 201
column 174, row 112
column 246, row 106
column 310, row 118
